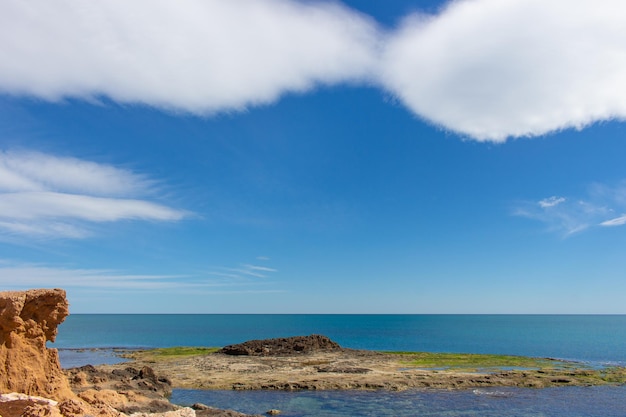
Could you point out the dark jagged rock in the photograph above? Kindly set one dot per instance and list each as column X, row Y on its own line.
column 283, row 346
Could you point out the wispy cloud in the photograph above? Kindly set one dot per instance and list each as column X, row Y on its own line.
column 36, row 276
column 17, row 275
column 601, row 205
column 487, row 69
column 243, row 271
column 34, row 171
column 259, row 268
column 551, row 202
column 57, row 197
column 618, row 221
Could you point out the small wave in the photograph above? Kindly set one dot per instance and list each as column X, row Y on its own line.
column 492, row 393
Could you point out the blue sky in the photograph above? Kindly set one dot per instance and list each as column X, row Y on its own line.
column 275, row 156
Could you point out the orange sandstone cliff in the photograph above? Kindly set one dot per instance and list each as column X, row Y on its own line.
column 27, row 320
column 32, row 383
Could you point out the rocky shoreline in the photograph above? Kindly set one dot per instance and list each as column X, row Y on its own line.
column 33, row 383
column 316, row 363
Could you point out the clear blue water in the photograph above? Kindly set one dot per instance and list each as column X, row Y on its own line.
column 552, row 402
column 596, row 339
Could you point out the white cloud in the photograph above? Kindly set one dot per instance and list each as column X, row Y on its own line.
column 492, row 69
column 488, row 69
column 618, row 221
column 198, row 56
column 40, row 205
column 44, row 229
column 568, row 216
column 551, row 201
column 34, row 171
column 66, row 193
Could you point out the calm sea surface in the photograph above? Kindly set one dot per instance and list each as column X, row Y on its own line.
column 599, row 340
column 553, row 402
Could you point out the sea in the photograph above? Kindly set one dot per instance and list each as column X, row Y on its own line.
column 595, row 340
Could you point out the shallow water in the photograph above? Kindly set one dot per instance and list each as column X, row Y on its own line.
column 520, row 402
column 72, row 358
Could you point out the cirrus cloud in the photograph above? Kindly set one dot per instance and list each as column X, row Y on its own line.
column 65, row 194
column 20, row 275
column 568, row 216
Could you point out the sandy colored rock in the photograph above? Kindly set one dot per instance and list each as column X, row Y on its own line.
column 183, row 412
column 128, row 390
column 27, row 320
column 105, row 396
column 32, row 373
column 39, row 410
column 16, row 404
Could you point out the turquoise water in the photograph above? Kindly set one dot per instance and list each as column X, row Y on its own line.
column 599, row 340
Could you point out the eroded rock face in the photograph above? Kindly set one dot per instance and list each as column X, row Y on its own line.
column 27, row 320
column 32, row 383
